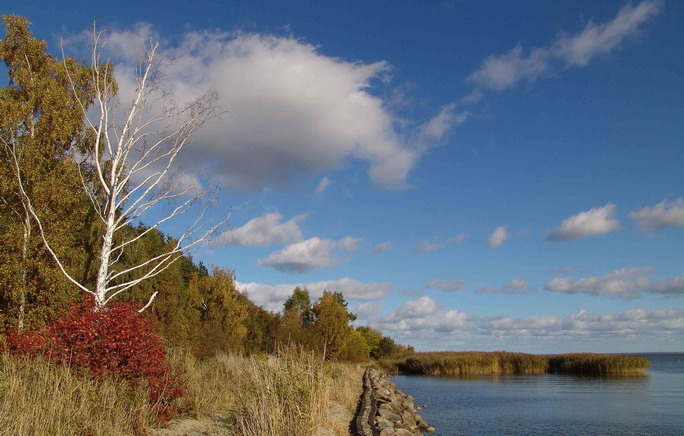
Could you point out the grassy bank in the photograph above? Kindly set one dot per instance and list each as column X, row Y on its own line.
column 483, row 363
column 260, row 395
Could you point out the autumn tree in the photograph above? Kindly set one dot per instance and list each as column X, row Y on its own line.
column 41, row 131
column 300, row 303
column 331, row 327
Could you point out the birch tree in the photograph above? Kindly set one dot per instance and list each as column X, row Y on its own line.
column 134, row 146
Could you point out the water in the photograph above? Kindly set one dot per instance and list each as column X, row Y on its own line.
column 555, row 404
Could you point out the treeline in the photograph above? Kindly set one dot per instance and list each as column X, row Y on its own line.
column 42, row 136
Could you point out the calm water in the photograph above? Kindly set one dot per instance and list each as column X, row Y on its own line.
column 555, row 404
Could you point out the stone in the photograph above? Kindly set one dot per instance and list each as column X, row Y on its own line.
column 419, row 408
column 421, row 423
column 388, row 433
column 430, row 429
column 403, row 432
column 389, row 415
column 384, row 424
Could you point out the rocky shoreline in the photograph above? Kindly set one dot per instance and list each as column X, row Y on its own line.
column 386, row 411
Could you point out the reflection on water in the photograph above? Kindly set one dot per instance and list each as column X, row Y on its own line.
column 560, row 404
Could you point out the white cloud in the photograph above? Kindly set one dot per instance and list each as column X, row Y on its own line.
column 290, row 110
column 426, row 246
column 633, row 322
column 446, row 285
column 497, row 237
column 595, row 221
column 459, row 238
column 442, row 123
column 308, row 255
column 503, row 71
column 272, row 297
column 423, row 314
column 322, row 186
column 672, row 287
column 385, row 246
column 625, row 283
column 662, row 215
column 515, row 286
column 263, row 231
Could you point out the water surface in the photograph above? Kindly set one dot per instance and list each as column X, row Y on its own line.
column 555, row 404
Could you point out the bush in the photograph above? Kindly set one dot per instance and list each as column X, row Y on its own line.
column 113, row 341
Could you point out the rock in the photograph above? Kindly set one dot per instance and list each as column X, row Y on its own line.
column 384, row 424
column 421, row 423
column 419, row 408
column 403, row 432
column 430, row 429
column 388, row 433
column 389, row 415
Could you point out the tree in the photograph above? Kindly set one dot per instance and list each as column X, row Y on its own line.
column 372, row 338
column 41, row 129
column 331, row 326
column 131, row 156
column 300, row 303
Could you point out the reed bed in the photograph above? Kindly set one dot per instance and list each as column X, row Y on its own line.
column 598, row 364
column 485, row 363
column 40, row 398
column 288, row 393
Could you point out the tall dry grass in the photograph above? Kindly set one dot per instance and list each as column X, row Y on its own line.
column 39, row 398
column 284, row 394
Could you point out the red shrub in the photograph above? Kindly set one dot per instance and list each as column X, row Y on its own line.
column 115, row 340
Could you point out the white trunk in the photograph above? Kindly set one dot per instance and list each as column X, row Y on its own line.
column 24, row 271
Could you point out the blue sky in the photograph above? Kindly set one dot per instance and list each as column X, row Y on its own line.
column 490, row 175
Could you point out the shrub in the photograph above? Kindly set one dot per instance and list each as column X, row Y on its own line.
column 113, row 341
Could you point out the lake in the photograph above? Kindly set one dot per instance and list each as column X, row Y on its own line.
column 555, row 404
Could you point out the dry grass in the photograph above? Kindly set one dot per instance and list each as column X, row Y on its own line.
column 287, row 394
column 38, row 398
column 271, row 395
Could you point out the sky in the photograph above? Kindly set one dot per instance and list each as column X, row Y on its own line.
column 470, row 175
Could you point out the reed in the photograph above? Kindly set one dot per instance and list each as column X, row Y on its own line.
column 598, row 364
column 485, row 363
column 40, row 398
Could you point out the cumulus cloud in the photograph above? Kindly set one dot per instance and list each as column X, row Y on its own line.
column 263, row 231
column 310, row 254
column 290, row 110
column 322, row 186
column 385, row 246
column 428, row 321
column 515, row 286
column 426, row 246
column 272, row 297
column 497, row 237
column 625, row 283
column 595, row 221
column 633, row 322
column 503, row 71
column 423, row 314
column 662, row 215
column 446, row 285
